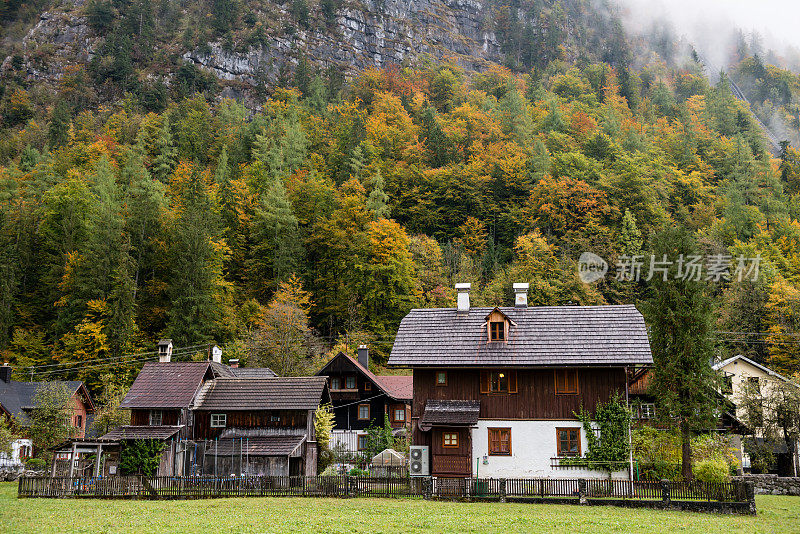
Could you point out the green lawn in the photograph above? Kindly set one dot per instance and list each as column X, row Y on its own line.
column 776, row 514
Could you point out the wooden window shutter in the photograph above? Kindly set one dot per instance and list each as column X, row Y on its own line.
column 484, row 381
column 512, row 381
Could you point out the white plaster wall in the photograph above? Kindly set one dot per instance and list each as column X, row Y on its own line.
column 14, row 460
column 533, row 443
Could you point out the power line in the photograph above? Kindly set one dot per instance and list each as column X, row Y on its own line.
column 183, row 350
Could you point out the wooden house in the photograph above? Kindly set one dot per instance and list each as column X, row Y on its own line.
column 18, row 399
column 259, row 426
column 496, row 390
column 361, row 399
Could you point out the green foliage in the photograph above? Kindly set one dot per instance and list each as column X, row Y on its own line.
column 607, row 433
column 140, row 457
column 679, row 313
column 379, row 438
column 51, row 417
column 7, row 435
column 712, row 471
column 762, row 457
column 35, row 464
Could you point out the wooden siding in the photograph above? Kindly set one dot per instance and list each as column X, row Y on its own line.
column 141, row 417
column 345, row 403
column 535, row 398
column 248, row 419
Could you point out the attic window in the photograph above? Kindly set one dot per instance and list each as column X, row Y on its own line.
column 156, row 416
column 219, row 420
column 497, row 331
column 350, row 382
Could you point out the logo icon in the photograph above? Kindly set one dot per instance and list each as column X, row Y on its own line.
column 591, row 267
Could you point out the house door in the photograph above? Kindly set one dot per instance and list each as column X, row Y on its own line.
column 451, row 452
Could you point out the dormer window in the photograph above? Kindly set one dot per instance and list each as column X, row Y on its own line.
column 497, row 327
column 497, row 331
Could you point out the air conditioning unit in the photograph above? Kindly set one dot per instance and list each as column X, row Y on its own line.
column 419, row 463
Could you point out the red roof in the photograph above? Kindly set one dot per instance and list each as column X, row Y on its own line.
column 398, row 386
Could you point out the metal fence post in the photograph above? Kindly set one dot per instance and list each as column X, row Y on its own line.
column 502, row 490
column 665, row 491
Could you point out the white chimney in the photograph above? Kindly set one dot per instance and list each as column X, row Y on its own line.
column 521, row 295
column 216, row 354
column 164, row 350
column 463, row 296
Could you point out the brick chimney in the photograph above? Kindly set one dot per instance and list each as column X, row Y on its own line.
column 5, row 372
column 363, row 356
column 463, row 296
column 233, row 364
column 164, row 351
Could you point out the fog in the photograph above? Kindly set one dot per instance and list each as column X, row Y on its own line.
column 708, row 24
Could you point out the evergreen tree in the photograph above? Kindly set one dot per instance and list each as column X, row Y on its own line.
column 276, row 248
column 378, row 199
column 164, row 154
column 679, row 314
column 58, row 133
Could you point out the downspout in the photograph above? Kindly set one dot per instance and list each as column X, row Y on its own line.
column 630, row 435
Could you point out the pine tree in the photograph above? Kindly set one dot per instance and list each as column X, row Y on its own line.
column 378, row 200
column 630, row 238
column 58, row 132
column 164, row 154
column 679, row 314
column 276, row 247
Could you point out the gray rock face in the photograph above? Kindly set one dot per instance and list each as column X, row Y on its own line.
column 375, row 33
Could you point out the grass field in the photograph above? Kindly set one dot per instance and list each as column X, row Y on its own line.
column 775, row 514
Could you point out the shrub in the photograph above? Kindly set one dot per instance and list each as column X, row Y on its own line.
column 711, row 470
column 35, row 464
column 659, row 470
column 356, row 472
column 141, row 457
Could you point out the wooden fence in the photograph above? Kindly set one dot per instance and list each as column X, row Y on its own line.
column 201, row 487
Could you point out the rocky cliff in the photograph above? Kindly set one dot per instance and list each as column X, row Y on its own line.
column 374, row 33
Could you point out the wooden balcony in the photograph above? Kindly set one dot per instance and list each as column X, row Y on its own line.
column 451, row 465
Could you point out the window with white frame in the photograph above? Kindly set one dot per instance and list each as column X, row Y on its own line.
column 648, row 410
column 156, row 416
column 219, row 420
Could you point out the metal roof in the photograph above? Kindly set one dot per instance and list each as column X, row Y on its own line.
column 277, row 393
column 543, row 336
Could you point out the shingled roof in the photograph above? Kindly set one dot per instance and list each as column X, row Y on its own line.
column 170, row 384
column 258, row 446
column 539, row 336
column 450, row 413
column 277, row 393
column 397, row 387
column 141, row 432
